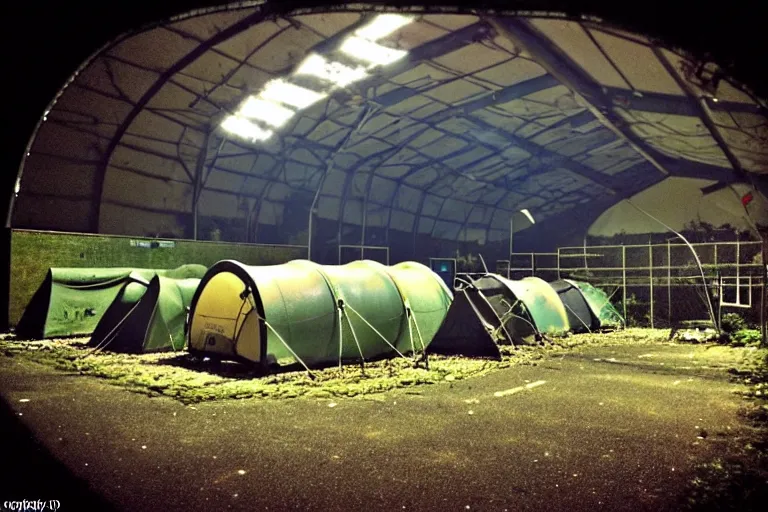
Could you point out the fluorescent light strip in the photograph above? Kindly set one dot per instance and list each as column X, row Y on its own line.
column 271, row 113
column 382, row 26
column 246, row 129
column 333, row 72
column 371, row 52
column 290, row 94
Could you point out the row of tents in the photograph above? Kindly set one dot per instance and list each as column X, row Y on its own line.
column 304, row 313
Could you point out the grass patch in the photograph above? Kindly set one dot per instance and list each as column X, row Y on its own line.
column 738, row 480
column 190, row 380
column 179, row 376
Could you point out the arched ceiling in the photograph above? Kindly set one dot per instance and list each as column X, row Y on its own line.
column 478, row 118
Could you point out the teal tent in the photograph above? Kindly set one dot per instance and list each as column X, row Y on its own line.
column 146, row 317
column 71, row 301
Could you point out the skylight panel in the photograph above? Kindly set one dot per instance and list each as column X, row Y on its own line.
column 368, row 51
column 242, row 127
column 289, row 94
column 382, row 26
column 333, row 72
column 271, row 113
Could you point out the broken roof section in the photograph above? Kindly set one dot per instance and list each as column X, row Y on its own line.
column 435, row 124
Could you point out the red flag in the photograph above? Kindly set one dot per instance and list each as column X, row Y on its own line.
column 747, row 198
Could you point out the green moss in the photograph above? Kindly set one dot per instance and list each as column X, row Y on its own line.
column 190, row 380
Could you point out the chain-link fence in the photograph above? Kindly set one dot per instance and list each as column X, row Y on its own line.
column 661, row 285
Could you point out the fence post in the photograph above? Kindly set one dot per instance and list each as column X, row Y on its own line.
column 650, row 276
column 669, row 284
column 624, row 278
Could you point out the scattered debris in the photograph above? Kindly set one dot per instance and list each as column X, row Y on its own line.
column 518, row 389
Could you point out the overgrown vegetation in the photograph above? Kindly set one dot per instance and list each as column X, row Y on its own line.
column 738, row 479
column 190, row 380
column 737, row 333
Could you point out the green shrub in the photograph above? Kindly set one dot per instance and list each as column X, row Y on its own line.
column 732, row 322
column 746, row 337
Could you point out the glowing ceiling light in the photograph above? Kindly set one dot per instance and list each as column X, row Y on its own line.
column 383, row 25
column 262, row 110
column 290, row 94
column 371, row 52
column 334, row 72
column 528, row 215
column 246, row 129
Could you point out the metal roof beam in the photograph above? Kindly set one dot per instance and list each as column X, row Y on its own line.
column 701, row 111
column 555, row 159
column 661, row 103
column 570, row 74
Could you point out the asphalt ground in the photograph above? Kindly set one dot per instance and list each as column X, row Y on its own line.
column 600, row 428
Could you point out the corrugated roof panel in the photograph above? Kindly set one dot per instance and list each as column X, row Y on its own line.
column 455, row 91
column 471, row 58
column 204, row 27
column 575, row 42
column 156, row 49
column 468, row 157
column 402, row 221
column 421, row 75
column 286, row 49
column 639, row 64
column 511, row 73
column 454, row 210
column 451, row 21
column 220, row 180
column 142, row 191
column 444, row 146
column 432, row 205
column 382, row 190
column 446, row 230
column 426, row 224
column 328, row 207
column 423, row 177
column 329, row 24
column 152, row 125
column 727, row 92
column 428, row 110
column 254, row 186
column 407, row 199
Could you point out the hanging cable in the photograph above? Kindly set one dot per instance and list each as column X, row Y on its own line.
column 711, row 308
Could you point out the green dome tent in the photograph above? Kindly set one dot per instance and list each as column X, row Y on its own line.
column 71, row 301
column 314, row 314
column 607, row 315
column 580, row 316
column 146, row 317
column 492, row 310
